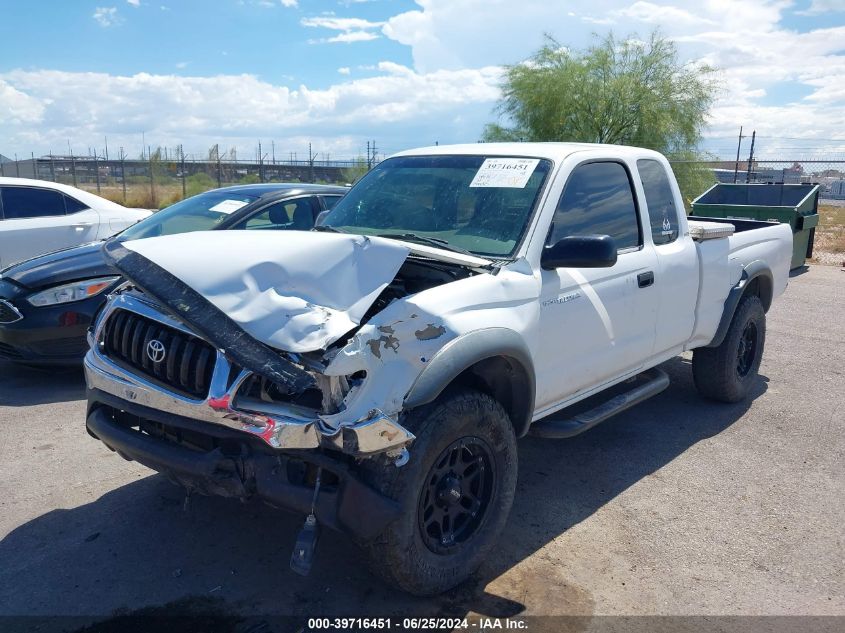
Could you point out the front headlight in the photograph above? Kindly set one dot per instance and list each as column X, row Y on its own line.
column 75, row 291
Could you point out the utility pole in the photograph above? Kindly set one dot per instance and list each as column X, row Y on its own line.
column 750, row 157
column 738, row 146
column 106, row 139
column 273, row 149
column 310, row 164
column 217, row 154
column 260, row 164
column 97, row 170
column 181, row 150
column 123, row 171
column 152, row 177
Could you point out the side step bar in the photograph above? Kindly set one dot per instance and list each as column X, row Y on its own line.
column 563, row 427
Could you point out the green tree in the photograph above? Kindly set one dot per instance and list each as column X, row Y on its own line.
column 354, row 173
column 628, row 92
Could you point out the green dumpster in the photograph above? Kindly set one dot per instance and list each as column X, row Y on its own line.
column 796, row 205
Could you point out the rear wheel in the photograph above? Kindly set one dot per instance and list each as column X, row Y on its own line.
column 727, row 372
column 456, row 492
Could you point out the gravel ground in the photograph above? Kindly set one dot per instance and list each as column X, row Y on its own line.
column 676, row 507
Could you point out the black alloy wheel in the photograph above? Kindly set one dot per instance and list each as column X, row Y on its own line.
column 456, row 494
column 747, row 350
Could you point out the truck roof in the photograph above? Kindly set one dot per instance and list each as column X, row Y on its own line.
column 552, row 151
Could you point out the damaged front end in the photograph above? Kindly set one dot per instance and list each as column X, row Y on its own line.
column 167, row 347
column 202, row 383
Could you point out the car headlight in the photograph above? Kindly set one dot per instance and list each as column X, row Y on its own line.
column 75, row 291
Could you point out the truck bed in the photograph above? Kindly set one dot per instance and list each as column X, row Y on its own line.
column 722, row 261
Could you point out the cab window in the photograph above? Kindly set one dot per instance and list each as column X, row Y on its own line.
column 72, row 205
column 598, row 200
column 31, row 202
column 662, row 211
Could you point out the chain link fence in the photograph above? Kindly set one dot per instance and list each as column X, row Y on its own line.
column 828, row 174
column 159, row 180
column 155, row 182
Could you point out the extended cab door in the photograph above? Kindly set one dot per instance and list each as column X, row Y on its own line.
column 677, row 258
column 596, row 324
column 36, row 221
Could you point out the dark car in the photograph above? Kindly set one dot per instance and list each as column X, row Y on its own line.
column 47, row 303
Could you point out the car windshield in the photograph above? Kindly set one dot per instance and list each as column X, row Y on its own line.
column 481, row 204
column 197, row 213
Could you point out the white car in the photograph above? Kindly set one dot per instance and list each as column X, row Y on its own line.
column 38, row 217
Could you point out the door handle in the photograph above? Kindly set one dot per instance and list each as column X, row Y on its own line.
column 645, row 279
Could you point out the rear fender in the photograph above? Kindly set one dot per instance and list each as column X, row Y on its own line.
column 756, row 278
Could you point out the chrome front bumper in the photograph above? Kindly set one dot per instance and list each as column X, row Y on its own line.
column 282, row 428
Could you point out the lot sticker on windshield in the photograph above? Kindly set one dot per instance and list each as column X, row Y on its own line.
column 504, row 172
column 228, row 206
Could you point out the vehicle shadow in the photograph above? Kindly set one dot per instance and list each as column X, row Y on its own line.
column 135, row 546
column 22, row 386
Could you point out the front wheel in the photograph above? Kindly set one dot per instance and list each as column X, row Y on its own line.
column 456, row 492
column 727, row 372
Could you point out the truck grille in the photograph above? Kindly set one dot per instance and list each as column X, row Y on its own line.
column 186, row 362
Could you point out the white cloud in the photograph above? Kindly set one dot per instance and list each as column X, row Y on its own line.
column 352, row 29
column 273, row 3
column 349, row 36
column 448, row 92
column 821, row 7
column 339, row 24
column 134, row 3
column 106, row 16
column 182, row 65
column 661, row 14
column 42, row 109
column 746, row 39
column 17, row 108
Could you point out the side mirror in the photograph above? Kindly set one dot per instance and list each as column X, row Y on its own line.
column 580, row 251
column 321, row 217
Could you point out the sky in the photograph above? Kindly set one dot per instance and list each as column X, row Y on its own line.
column 338, row 73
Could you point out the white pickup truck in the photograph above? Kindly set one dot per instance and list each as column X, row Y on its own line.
column 376, row 372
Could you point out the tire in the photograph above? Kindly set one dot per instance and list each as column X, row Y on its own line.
column 727, row 372
column 463, row 460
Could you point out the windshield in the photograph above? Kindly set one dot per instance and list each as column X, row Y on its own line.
column 197, row 213
column 479, row 204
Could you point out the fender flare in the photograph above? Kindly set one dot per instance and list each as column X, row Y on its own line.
column 464, row 352
column 755, row 269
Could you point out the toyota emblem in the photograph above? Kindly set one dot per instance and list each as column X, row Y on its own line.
column 155, row 351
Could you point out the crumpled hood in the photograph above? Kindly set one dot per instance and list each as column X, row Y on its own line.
column 297, row 291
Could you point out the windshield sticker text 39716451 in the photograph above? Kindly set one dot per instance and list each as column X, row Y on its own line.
column 504, row 172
